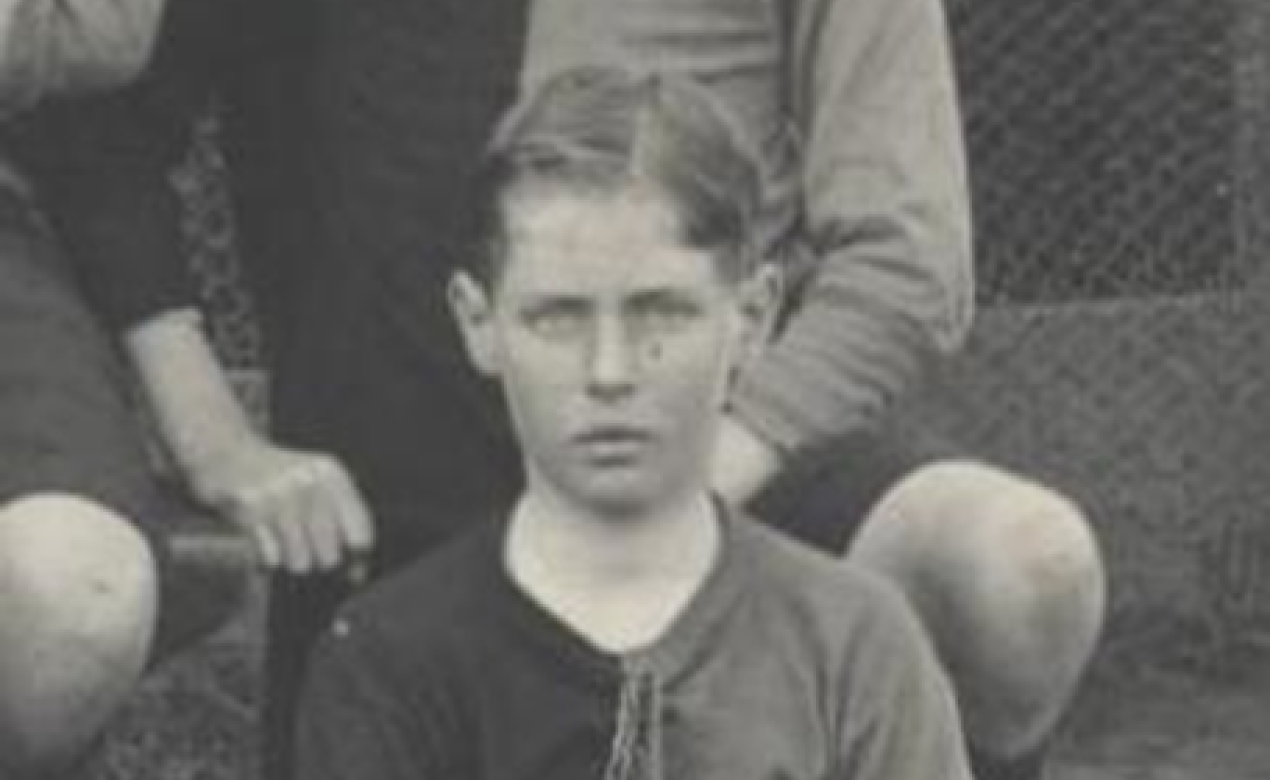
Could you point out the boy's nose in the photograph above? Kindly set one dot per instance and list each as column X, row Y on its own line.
column 611, row 372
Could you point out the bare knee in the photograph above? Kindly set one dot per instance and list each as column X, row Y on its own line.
column 78, row 592
column 1007, row 577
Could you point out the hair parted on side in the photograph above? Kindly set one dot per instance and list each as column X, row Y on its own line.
column 601, row 130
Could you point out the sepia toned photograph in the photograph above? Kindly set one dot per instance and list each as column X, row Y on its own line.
column 634, row 390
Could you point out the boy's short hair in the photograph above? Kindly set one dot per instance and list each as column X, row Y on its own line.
column 601, row 130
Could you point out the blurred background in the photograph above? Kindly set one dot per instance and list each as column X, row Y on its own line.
column 1120, row 162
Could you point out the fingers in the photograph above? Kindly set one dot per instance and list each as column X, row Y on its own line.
column 320, row 521
column 356, row 527
column 267, row 547
column 286, row 509
column 305, row 516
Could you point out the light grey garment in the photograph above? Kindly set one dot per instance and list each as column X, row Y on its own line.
column 61, row 46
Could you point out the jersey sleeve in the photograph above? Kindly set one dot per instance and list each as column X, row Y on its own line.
column 359, row 721
column 886, row 211
column 897, row 716
column 102, row 167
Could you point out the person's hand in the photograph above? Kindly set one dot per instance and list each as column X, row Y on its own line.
column 743, row 463
column 300, row 509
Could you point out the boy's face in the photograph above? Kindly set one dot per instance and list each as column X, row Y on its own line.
column 615, row 345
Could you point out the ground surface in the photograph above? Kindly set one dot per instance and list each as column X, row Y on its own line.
column 1173, row 720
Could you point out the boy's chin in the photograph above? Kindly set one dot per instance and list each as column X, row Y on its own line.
column 616, row 493
column 622, row 502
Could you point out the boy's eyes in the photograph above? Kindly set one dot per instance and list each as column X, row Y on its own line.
column 664, row 313
column 654, row 313
column 556, row 318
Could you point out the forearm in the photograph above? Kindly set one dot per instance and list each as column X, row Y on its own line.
column 844, row 357
column 198, row 415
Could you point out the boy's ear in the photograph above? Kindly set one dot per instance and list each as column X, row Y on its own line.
column 758, row 302
column 473, row 309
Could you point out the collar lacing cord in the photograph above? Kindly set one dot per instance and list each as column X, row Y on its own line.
column 637, row 744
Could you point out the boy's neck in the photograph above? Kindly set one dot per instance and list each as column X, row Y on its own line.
column 618, row 581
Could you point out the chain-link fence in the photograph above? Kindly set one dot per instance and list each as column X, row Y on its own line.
column 1100, row 134
column 1119, row 153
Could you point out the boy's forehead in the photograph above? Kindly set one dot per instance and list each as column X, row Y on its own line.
column 565, row 238
column 565, row 217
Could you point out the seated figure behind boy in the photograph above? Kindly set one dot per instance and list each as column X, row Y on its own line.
column 617, row 622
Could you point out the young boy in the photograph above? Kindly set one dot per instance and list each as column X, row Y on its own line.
column 618, row 622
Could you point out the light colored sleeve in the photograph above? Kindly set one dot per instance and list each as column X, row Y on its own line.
column 60, row 46
column 898, row 717
column 887, row 223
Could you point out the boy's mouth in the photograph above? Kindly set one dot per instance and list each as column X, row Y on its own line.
column 612, row 433
column 613, row 442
